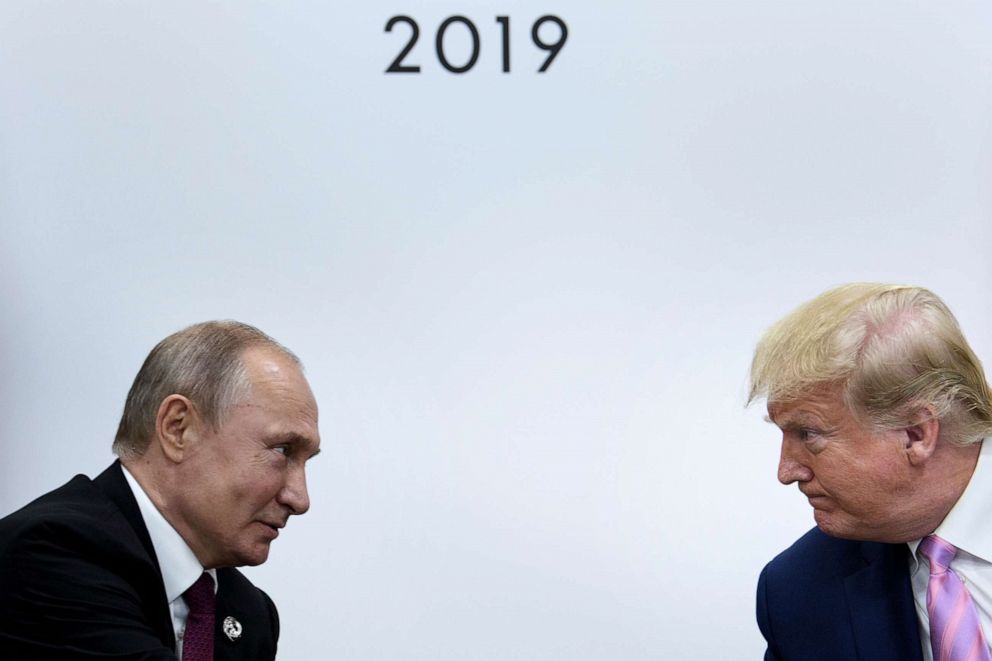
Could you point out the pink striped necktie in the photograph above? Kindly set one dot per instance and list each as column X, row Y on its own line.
column 198, row 641
column 955, row 630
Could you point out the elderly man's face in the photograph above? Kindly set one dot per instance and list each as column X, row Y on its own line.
column 246, row 478
column 859, row 482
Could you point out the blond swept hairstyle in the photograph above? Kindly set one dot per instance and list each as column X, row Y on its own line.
column 201, row 362
column 890, row 348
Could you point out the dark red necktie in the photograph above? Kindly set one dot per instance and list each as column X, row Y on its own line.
column 198, row 641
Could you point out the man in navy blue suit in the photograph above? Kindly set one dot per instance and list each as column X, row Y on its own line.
column 883, row 409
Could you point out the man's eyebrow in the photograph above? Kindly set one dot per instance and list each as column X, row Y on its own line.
column 789, row 419
column 296, row 439
column 798, row 419
column 783, row 420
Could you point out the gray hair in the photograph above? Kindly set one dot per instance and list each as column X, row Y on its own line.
column 202, row 362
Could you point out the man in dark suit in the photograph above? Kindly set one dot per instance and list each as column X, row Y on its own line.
column 139, row 562
column 883, row 409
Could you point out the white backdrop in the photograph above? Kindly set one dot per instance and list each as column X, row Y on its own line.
column 526, row 302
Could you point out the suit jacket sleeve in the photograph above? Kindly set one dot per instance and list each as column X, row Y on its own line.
column 771, row 652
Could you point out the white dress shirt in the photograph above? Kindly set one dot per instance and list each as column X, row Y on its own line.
column 180, row 568
column 968, row 528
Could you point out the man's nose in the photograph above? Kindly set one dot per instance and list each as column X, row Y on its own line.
column 294, row 494
column 790, row 466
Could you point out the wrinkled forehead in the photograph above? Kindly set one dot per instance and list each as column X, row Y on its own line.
column 822, row 404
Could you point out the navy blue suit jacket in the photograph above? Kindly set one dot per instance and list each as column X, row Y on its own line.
column 79, row 580
column 829, row 599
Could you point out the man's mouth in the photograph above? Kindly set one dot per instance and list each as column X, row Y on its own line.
column 273, row 527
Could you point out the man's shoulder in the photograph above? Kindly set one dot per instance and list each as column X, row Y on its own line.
column 74, row 573
column 818, row 555
column 75, row 504
column 829, row 598
column 78, row 520
column 812, row 575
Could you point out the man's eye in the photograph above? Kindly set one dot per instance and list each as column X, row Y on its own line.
column 806, row 435
column 282, row 449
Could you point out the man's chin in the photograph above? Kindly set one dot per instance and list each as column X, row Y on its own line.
column 842, row 526
column 828, row 524
column 254, row 556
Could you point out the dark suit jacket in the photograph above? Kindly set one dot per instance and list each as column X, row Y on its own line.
column 829, row 599
column 79, row 580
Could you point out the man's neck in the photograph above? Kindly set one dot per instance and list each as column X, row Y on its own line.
column 944, row 484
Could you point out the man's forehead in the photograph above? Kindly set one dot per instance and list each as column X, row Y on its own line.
column 272, row 373
column 265, row 362
column 819, row 405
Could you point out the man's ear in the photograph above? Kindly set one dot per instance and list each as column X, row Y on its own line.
column 922, row 434
column 176, row 426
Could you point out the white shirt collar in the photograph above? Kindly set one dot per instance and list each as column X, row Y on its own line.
column 180, row 568
column 966, row 525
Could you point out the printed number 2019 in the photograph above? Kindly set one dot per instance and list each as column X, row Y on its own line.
column 553, row 48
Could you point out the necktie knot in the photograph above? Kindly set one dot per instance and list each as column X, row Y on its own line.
column 939, row 552
column 200, row 596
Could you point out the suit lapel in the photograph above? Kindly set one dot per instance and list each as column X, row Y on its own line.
column 253, row 624
column 880, row 599
column 226, row 646
column 115, row 487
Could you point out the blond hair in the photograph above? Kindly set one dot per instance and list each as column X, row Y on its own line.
column 890, row 348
